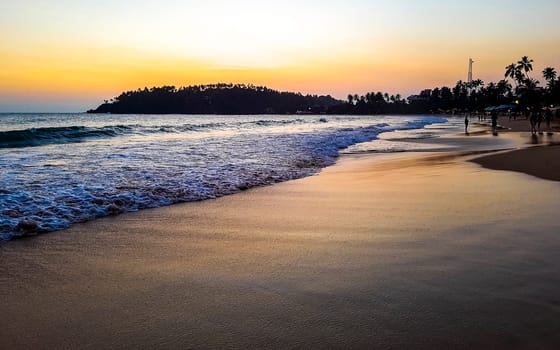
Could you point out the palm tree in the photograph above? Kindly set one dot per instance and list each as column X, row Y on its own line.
column 511, row 71
column 460, row 90
column 475, row 84
column 528, row 93
column 549, row 74
column 531, row 84
column 528, row 84
column 514, row 72
column 504, row 88
column 350, row 99
column 525, row 64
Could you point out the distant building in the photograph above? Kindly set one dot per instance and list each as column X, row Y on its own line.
column 424, row 96
column 415, row 98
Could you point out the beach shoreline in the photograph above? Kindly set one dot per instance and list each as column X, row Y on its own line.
column 423, row 250
column 536, row 154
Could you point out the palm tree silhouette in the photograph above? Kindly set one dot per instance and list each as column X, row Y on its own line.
column 525, row 64
column 475, row 84
column 549, row 74
column 513, row 72
column 531, row 84
column 504, row 88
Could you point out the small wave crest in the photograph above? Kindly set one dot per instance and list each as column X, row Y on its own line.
column 58, row 135
column 72, row 134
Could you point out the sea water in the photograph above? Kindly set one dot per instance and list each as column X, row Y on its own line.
column 60, row 169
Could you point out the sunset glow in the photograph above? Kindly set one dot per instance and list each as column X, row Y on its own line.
column 65, row 55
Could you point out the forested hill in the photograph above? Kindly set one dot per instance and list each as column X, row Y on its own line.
column 215, row 99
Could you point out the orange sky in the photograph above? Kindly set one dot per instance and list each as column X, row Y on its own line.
column 61, row 55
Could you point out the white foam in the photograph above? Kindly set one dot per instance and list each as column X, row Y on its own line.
column 60, row 184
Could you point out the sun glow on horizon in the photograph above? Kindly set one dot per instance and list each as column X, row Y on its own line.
column 87, row 51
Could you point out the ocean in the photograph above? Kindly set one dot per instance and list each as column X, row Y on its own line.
column 61, row 169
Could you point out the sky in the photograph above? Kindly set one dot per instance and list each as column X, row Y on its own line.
column 69, row 56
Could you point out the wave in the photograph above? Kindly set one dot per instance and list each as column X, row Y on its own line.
column 57, row 135
column 266, row 122
column 54, row 191
column 73, row 134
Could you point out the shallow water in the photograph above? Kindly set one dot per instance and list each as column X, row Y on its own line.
column 59, row 169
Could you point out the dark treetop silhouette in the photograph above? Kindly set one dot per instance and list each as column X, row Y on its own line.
column 215, row 99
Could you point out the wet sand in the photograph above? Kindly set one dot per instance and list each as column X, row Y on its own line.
column 540, row 160
column 400, row 251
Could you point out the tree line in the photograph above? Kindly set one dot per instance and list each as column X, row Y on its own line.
column 519, row 89
column 525, row 94
column 215, row 99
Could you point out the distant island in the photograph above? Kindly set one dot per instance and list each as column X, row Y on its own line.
column 216, row 99
column 469, row 96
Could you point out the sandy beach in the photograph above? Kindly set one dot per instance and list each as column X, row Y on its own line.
column 408, row 250
column 539, row 160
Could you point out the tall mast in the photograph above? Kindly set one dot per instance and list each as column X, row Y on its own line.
column 469, row 78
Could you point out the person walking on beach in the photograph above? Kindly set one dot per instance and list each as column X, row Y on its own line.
column 494, row 121
column 466, row 124
column 539, row 119
column 533, row 121
column 548, row 118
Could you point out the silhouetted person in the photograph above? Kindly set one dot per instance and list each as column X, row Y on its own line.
column 539, row 119
column 466, row 124
column 548, row 117
column 494, row 121
column 533, row 121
